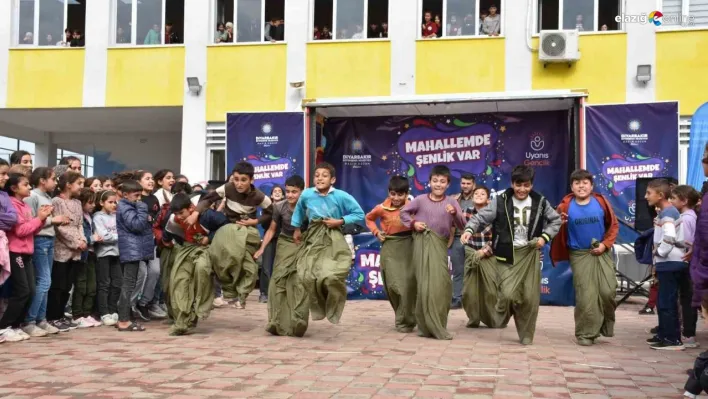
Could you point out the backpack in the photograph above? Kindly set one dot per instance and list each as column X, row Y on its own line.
column 644, row 247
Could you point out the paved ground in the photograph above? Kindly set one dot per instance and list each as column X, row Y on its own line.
column 230, row 355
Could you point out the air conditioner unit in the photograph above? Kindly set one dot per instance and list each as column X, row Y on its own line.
column 558, row 46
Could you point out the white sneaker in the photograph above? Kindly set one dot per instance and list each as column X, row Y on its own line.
column 33, row 331
column 108, row 320
column 10, row 335
column 690, row 342
column 93, row 321
column 689, row 395
column 21, row 333
column 50, row 329
column 83, row 323
column 115, row 317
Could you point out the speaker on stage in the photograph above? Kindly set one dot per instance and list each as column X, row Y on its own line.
column 644, row 214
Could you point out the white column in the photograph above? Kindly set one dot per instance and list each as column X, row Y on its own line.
column 297, row 33
column 403, row 27
column 6, row 13
column 193, row 162
column 641, row 50
column 98, row 22
column 518, row 56
column 45, row 152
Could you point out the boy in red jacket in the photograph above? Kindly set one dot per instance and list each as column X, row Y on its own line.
column 588, row 233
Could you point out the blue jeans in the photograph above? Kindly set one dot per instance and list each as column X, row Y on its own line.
column 457, row 258
column 43, row 259
column 667, row 305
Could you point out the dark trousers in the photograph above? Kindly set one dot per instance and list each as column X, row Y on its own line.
column 59, row 291
column 689, row 314
column 667, row 305
column 457, row 258
column 84, row 287
column 130, row 277
column 23, row 290
column 109, row 281
column 267, row 266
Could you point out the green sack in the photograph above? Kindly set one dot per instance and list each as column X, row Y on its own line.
column 231, row 252
column 433, row 284
column 288, row 305
column 595, row 289
column 323, row 264
column 191, row 290
column 167, row 259
column 520, row 290
column 480, row 291
column 399, row 279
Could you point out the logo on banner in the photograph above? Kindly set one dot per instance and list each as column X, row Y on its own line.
column 265, row 139
column 535, row 157
column 635, row 136
column 632, row 208
column 356, row 157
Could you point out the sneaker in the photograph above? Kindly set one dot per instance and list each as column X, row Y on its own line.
column 93, row 321
column 50, row 329
column 668, row 346
column 163, row 306
column 69, row 322
column 2, row 338
column 156, row 312
column 60, row 325
column 108, row 320
column 33, row 331
column 456, row 304
column 22, row 334
column 141, row 313
column 691, row 342
column 654, row 340
column 83, row 323
column 219, row 302
column 646, row 310
column 10, row 335
column 263, row 298
column 585, row 342
column 689, row 395
column 654, row 330
column 115, row 317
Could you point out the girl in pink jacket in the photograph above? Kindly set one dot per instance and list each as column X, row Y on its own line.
column 21, row 243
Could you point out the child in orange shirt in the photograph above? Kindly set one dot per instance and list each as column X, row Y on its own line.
column 396, row 249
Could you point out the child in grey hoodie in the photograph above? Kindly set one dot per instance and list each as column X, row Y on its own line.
column 108, row 270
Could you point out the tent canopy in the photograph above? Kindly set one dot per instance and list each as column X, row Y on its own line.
column 446, row 104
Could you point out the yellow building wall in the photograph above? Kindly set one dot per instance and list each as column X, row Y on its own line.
column 354, row 69
column 602, row 69
column 46, row 78
column 149, row 76
column 681, row 67
column 460, row 66
column 245, row 78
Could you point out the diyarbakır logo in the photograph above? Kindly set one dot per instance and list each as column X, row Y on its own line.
column 632, row 207
column 356, row 158
column 535, row 157
column 635, row 136
column 266, row 139
column 266, row 128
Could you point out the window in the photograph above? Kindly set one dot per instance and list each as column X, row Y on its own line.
column 218, row 165
column 148, row 22
column 453, row 18
column 583, row 15
column 9, row 145
column 685, row 13
column 249, row 21
column 349, row 19
column 50, row 22
column 86, row 160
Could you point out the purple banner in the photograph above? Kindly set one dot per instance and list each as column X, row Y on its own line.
column 630, row 141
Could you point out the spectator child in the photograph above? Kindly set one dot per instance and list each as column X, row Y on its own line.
column 44, row 182
column 85, row 276
column 432, row 216
column 165, row 179
column 324, row 262
column 492, row 23
column 146, row 286
column 8, row 218
column 94, row 183
column 454, row 28
column 21, row 157
column 106, row 183
column 69, row 244
column 396, row 249
column 523, row 222
column 109, row 276
column 21, row 246
column 669, row 264
column 429, row 27
column 153, row 36
column 136, row 244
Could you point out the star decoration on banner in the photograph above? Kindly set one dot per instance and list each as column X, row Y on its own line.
column 383, row 158
column 502, row 129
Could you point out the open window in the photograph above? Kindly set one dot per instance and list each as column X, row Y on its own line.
column 585, row 16
column 148, row 22
column 50, row 23
column 249, row 21
column 456, row 18
column 349, row 19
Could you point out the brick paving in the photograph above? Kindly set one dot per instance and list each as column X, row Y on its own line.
column 231, row 356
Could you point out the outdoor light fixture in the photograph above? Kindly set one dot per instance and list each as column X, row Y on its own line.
column 643, row 73
column 297, row 85
column 194, row 86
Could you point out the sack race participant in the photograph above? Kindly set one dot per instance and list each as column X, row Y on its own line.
column 191, row 290
column 233, row 246
column 523, row 222
column 432, row 216
column 396, row 249
column 588, row 233
column 288, row 304
column 325, row 259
